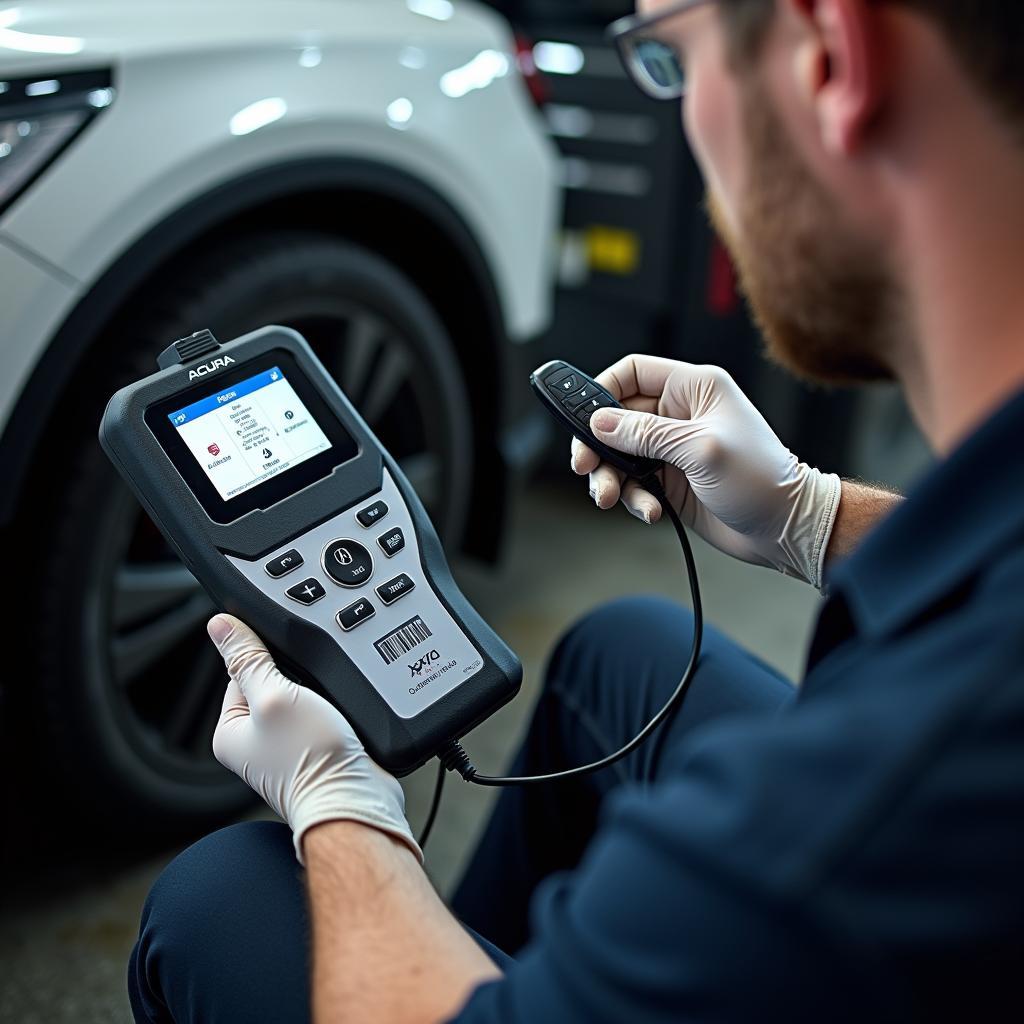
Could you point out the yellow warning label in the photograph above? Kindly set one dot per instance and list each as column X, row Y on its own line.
column 612, row 250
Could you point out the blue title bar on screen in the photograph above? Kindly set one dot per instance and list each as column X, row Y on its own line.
column 240, row 390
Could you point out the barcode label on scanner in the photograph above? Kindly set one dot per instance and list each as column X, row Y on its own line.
column 409, row 635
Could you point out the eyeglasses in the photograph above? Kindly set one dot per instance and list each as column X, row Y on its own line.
column 653, row 64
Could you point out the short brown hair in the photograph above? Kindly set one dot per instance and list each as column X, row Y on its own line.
column 987, row 36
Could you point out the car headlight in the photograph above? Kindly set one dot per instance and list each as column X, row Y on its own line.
column 38, row 117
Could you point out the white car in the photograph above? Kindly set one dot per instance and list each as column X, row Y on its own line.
column 371, row 172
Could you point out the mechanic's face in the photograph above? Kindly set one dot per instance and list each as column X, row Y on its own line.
column 819, row 288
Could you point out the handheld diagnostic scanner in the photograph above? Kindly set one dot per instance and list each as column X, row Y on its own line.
column 279, row 499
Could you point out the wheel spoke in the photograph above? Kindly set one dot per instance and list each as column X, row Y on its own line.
column 193, row 697
column 359, row 349
column 142, row 591
column 424, row 472
column 388, row 377
column 137, row 650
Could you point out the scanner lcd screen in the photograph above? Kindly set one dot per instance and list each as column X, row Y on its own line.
column 263, row 434
column 247, row 433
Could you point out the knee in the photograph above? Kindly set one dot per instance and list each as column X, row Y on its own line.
column 214, row 879
column 618, row 640
column 210, row 913
column 637, row 616
column 644, row 643
column 220, row 869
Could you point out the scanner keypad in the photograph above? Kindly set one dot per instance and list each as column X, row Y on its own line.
column 406, row 613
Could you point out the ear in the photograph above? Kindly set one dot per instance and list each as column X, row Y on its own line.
column 840, row 68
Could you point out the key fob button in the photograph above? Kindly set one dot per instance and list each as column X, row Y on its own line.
column 588, row 408
column 552, row 375
column 556, row 376
column 566, row 385
column 347, row 562
column 587, row 393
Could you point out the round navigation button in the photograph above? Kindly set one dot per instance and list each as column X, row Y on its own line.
column 347, row 562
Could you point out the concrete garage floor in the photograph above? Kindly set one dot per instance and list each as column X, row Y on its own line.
column 65, row 936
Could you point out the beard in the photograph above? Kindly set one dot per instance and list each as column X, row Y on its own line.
column 822, row 295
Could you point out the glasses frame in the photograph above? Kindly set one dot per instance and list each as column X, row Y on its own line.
column 623, row 34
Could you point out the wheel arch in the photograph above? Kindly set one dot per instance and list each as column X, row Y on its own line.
column 387, row 210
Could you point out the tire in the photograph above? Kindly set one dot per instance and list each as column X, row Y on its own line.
column 130, row 685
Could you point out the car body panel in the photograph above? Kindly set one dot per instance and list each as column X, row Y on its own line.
column 237, row 87
column 33, row 298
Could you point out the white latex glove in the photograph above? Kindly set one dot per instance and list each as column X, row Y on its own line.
column 293, row 748
column 727, row 474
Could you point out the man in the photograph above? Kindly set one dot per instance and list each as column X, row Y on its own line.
column 850, row 854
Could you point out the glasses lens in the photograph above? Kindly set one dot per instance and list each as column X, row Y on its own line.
column 659, row 69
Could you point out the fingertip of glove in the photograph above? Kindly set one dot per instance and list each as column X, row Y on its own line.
column 606, row 421
column 648, row 514
column 220, row 628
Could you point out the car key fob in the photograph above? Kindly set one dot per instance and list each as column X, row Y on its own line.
column 572, row 398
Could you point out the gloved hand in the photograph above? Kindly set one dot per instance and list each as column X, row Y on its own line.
column 727, row 474
column 293, row 748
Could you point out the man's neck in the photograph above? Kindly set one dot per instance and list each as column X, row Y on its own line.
column 964, row 254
